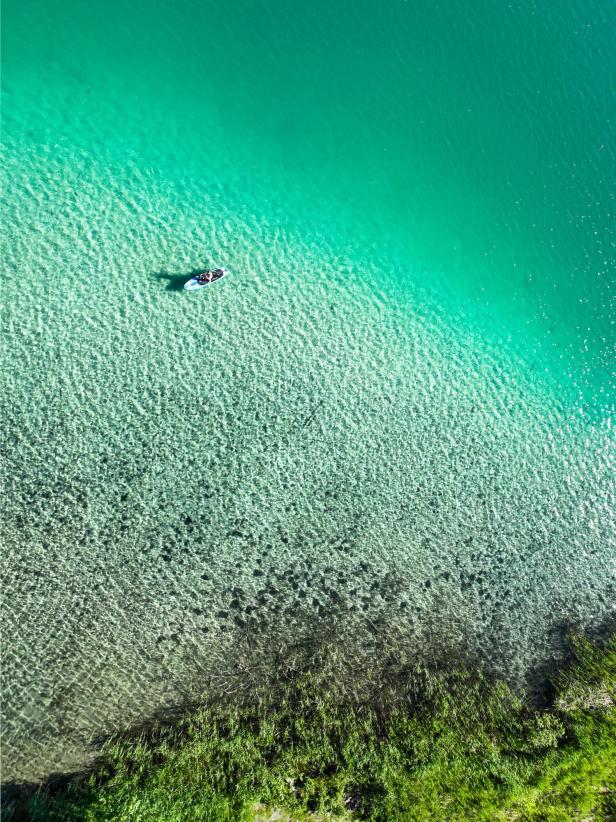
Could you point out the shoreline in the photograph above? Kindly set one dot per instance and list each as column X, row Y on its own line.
column 583, row 689
column 368, row 657
column 397, row 683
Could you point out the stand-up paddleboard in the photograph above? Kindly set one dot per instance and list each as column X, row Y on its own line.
column 205, row 278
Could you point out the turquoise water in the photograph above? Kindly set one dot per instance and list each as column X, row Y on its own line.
column 397, row 410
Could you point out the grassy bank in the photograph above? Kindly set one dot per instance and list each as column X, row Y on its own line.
column 458, row 748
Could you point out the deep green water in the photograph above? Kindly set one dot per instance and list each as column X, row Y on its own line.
column 416, row 202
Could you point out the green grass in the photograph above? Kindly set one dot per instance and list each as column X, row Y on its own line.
column 463, row 750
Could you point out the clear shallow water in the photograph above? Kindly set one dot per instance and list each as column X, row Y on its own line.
column 405, row 386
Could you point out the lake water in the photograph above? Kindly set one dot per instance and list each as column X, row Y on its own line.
column 398, row 407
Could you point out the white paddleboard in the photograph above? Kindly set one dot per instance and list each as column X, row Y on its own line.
column 194, row 285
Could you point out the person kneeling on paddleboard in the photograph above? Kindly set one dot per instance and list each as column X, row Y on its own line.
column 210, row 276
column 201, row 279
